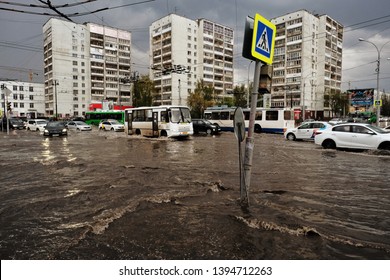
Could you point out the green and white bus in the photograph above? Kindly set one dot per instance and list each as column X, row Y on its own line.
column 94, row 117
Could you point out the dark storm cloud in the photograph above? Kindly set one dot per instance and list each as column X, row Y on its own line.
column 26, row 30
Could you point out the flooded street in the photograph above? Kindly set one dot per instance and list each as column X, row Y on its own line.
column 105, row 195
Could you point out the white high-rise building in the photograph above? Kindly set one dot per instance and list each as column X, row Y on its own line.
column 185, row 51
column 84, row 64
column 307, row 63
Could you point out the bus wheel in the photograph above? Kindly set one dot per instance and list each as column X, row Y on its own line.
column 163, row 133
column 257, row 128
column 137, row 132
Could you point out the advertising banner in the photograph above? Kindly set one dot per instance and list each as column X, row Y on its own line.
column 361, row 97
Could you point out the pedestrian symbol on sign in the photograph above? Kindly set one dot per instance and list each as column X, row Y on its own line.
column 263, row 39
column 263, row 42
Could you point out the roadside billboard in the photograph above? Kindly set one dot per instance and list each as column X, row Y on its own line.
column 361, row 97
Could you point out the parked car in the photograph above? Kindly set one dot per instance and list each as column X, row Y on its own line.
column 55, row 128
column 305, row 131
column 336, row 121
column 78, row 125
column 14, row 123
column 354, row 136
column 36, row 124
column 201, row 125
column 308, row 120
column 113, row 125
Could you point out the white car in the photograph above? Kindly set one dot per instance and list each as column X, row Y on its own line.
column 354, row 136
column 113, row 125
column 305, row 131
column 79, row 125
column 36, row 124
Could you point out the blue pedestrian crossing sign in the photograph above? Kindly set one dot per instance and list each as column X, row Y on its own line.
column 263, row 40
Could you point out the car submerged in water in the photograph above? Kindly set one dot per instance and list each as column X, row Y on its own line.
column 55, row 128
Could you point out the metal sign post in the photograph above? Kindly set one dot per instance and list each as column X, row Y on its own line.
column 249, row 144
column 239, row 130
column 261, row 45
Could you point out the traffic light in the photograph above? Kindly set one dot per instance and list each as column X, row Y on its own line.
column 8, row 106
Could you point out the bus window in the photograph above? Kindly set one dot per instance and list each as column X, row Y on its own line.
column 224, row 115
column 164, row 116
column 175, row 116
column 247, row 115
column 138, row 115
column 271, row 115
column 259, row 115
column 215, row 116
column 186, row 114
column 148, row 115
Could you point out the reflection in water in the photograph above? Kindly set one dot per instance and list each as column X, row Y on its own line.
column 54, row 148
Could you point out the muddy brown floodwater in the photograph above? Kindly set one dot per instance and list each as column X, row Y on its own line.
column 105, row 195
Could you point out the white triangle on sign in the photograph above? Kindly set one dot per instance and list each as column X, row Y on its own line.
column 263, row 41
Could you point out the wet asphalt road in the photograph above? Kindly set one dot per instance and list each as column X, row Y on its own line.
column 105, row 195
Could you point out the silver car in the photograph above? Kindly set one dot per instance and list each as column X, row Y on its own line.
column 79, row 126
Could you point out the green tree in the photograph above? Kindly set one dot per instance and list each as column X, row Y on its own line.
column 338, row 102
column 200, row 99
column 240, row 96
column 143, row 92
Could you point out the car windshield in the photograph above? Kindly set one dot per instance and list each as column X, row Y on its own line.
column 80, row 123
column 377, row 129
column 55, row 124
column 41, row 122
column 115, row 122
column 15, row 121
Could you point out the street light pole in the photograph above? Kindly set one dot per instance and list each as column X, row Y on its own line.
column 55, row 83
column 378, row 107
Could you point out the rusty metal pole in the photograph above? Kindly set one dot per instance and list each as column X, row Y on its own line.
column 249, row 144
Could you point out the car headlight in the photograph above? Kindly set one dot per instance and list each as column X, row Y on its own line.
column 64, row 130
column 46, row 131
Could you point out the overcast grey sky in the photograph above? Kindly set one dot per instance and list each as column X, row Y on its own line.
column 21, row 36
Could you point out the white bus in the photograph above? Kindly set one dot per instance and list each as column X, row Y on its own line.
column 273, row 120
column 155, row 121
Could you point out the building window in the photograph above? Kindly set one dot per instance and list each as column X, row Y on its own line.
column 31, row 97
column 21, row 105
column 15, row 96
column 74, row 63
column 75, row 77
column 31, row 89
column 21, row 88
column 21, row 96
column 31, row 105
column 15, row 87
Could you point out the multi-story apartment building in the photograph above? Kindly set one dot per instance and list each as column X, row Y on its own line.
column 27, row 99
column 307, row 63
column 83, row 64
column 185, row 51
